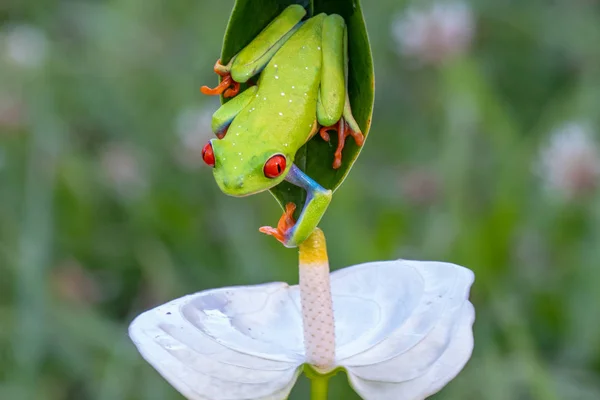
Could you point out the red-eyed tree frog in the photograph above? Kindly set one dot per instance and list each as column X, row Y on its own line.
column 301, row 90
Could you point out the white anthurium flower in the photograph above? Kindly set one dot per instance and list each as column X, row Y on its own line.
column 403, row 330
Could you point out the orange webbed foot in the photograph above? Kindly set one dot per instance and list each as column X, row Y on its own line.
column 285, row 224
column 343, row 131
column 228, row 87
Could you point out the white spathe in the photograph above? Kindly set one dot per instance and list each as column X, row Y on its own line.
column 403, row 331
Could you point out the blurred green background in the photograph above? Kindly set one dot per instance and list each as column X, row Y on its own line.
column 482, row 153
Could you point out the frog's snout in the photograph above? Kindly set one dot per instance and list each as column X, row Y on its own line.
column 232, row 184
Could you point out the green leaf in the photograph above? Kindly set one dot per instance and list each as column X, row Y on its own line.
column 248, row 18
column 315, row 158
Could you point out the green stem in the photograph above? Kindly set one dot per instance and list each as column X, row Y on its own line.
column 318, row 387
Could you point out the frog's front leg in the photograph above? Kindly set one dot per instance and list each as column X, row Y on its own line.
column 228, row 87
column 333, row 105
column 289, row 232
column 222, row 118
column 254, row 57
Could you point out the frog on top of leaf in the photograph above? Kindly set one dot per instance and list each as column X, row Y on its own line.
column 301, row 90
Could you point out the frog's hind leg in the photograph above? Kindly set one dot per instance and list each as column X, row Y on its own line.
column 255, row 56
column 226, row 113
column 333, row 105
column 290, row 232
column 330, row 103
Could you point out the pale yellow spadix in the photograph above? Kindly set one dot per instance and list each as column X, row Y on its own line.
column 317, row 306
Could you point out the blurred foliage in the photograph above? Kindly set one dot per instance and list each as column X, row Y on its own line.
column 106, row 211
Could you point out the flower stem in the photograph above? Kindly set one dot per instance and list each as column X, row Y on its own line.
column 317, row 305
column 318, row 387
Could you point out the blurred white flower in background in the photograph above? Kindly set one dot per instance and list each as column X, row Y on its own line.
column 569, row 162
column 72, row 282
column 25, row 46
column 193, row 128
column 121, row 170
column 11, row 111
column 435, row 34
column 420, row 187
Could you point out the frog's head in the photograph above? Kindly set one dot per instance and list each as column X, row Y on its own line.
column 241, row 173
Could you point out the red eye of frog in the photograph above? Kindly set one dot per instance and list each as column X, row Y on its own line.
column 208, row 154
column 274, row 166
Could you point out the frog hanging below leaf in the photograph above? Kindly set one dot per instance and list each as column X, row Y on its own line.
column 301, row 91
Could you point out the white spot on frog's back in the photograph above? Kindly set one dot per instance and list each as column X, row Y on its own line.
column 282, row 93
column 281, row 114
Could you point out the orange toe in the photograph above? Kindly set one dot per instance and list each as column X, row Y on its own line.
column 228, row 87
column 272, row 232
column 220, row 69
column 343, row 131
column 324, row 134
column 286, row 222
column 233, row 90
column 220, row 88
